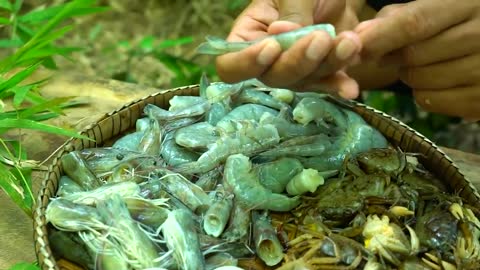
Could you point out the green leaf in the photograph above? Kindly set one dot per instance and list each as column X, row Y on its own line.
column 41, row 15
column 24, row 177
column 10, row 43
column 49, row 63
column 29, row 124
column 24, row 266
column 4, row 20
column 17, row 149
column 13, row 189
column 146, row 44
column 17, row 5
column 49, row 105
column 19, row 77
column 20, row 94
column 174, row 42
column 48, row 52
column 96, row 30
column 5, row 4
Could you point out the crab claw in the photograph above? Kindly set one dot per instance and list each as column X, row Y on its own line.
column 456, row 211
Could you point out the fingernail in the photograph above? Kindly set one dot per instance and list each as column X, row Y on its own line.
column 315, row 50
column 345, row 49
column 269, row 53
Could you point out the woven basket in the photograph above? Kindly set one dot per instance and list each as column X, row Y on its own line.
column 117, row 123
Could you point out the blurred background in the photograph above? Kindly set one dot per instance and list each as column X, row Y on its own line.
column 152, row 43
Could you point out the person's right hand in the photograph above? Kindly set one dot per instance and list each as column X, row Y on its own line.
column 314, row 62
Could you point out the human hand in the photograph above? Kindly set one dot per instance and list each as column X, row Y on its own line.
column 314, row 62
column 436, row 44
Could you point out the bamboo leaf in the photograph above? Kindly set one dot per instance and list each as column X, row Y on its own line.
column 10, row 43
column 29, row 124
column 24, row 266
column 53, row 103
column 4, row 20
column 5, row 4
column 19, row 77
column 16, row 6
column 24, row 178
column 20, row 94
column 9, row 184
column 174, row 42
column 48, row 52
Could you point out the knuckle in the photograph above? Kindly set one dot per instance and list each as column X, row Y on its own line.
column 415, row 24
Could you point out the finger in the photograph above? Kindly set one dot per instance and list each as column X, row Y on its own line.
column 292, row 14
column 417, row 21
column 326, row 11
column 347, row 45
column 460, row 101
column 462, row 71
column 345, row 52
column 463, row 37
column 253, row 22
column 248, row 63
column 339, row 84
column 389, row 10
column 299, row 61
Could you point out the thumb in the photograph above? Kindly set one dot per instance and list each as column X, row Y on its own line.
column 292, row 14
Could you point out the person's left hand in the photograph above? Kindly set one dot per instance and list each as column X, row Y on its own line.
column 437, row 45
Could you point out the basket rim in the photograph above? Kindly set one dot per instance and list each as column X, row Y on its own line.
column 42, row 249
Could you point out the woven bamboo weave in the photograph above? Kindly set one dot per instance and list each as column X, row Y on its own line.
column 118, row 122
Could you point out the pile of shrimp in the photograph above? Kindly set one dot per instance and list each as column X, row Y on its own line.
column 202, row 184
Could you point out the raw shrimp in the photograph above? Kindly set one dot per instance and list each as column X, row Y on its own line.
column 126, row 235
column 180, row 233
column 151, row 139
column 174, row 154
column 163, row 115
column 249, row 138
column 182, row 102
column 217, row 46
column 69, row 216
column 250, row 112
column 320, row 111
column 67, row 186
column 77, row 169
column 92, row 197
column 209, row 180
column 129, row 142
column 359, row 137
column 314, row 145
column 103, row 160
column 187, row 192
column 288, row 129
column 217, row 215
column 69, row 245
column 196, row 136
column 239, row 223
column 217, row 111
column 253, row 96
column 246, row 186
column 147, row 211
column 267, row 245
column 276, row 174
